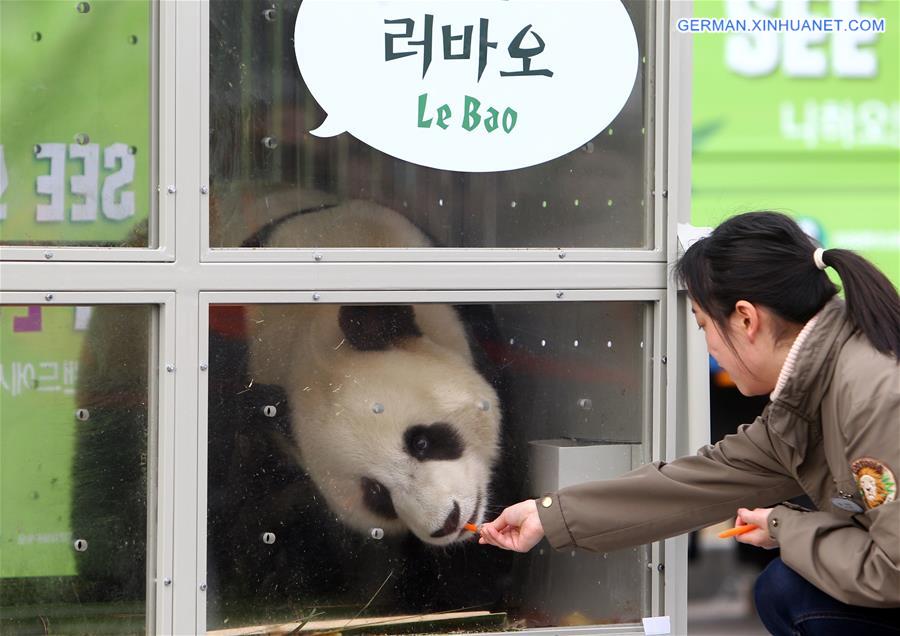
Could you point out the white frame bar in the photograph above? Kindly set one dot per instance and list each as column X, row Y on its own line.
column 677, row 73
column 185, row 275
column 429, row 254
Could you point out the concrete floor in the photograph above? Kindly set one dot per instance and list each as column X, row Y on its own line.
column 720, row 591
column 722, row 616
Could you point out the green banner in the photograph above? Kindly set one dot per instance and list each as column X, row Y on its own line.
column 802, row 121
column 39, row 355
column 75, row 120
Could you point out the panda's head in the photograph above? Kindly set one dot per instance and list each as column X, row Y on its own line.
column 397, row 428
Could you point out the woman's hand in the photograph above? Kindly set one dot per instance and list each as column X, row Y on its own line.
column 517, row 528
column 760, row 518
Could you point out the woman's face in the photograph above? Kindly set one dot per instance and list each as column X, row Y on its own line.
column 745, row 360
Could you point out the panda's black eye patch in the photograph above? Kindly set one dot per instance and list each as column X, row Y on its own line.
column 433, row 441
column 377, row 498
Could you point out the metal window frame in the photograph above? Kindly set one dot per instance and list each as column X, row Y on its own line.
column 655, row 235
column 653, row 328
column 184, row 274
column 161, row 437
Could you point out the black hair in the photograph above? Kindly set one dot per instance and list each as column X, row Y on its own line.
column 766, row 259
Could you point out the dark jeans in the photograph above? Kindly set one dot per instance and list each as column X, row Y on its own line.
column 789, row 605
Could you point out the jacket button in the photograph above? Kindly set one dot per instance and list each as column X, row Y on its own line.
column 546, row 502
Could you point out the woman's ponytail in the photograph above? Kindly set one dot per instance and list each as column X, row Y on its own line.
column 872, row 302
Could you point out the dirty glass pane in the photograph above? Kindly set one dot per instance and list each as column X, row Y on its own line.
column 265, row 164
column 74, row 462
column 76, row 156
column 348, row 446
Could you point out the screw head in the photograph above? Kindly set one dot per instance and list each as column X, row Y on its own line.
column 317, row 257
column 48, row 255
column 48, row 297
column 559, row 294
column 170, row 368
column 561, row 255
column 167, row 581
column 83, row 7
column 665, row 359
column 171, row 189
column 82, row 139
column 378, row 408
column 316, row 296
column 203, row 587
column 661, row 568
column 203, row 366
column 204, row 189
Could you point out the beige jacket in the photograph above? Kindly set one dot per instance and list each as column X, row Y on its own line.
column 832, row 432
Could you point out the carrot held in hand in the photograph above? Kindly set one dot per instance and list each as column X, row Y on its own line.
column 471, row 527
column 737, row 530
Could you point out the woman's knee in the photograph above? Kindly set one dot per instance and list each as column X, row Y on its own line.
column 773, row 591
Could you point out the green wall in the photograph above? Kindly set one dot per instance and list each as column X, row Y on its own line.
column 805, row 123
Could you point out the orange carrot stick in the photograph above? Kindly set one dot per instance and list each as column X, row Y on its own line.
column 471, row 527
column 735, row 531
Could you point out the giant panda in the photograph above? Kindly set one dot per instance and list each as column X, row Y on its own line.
column 387, row 434
column 392, row 420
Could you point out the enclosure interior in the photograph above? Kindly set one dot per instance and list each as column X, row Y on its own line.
column 77, row 457
column 302, row 423
column 564, row 386
column 265, row 164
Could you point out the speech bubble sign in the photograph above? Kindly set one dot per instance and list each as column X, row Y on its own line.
column 469, row 86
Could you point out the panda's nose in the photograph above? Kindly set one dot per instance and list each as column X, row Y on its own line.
column 451, row 524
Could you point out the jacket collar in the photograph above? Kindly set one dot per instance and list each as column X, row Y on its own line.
column 787, row 369
column 813, row 369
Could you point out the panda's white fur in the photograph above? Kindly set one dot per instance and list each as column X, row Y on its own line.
column 353, row 409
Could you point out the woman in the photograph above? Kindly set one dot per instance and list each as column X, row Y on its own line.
column 771, row 317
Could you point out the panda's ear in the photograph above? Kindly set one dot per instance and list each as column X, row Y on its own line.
column 377, row 327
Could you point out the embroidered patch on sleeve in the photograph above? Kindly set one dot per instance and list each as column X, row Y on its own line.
column 875, row 481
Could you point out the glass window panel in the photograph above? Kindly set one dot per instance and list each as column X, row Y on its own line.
column 74, row 457
column 349, row 444
column 265, row 165
column 76, row 157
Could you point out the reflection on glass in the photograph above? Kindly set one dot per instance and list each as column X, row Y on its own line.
column 350, row 444
column 75, row 129
column 265, row 165
column 74, row 458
